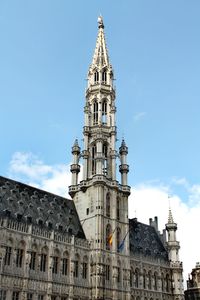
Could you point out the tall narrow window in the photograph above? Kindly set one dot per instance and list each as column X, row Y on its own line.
column 136, row 278
column 55, row 265
column 7, row 258
column 105, row 153
column 94, row 151
column 149, row 278
column 19, row 257
column 43, row 262
column 162, row 282
column 167, row 283
column 76, row 268
column 32, row 261
column 108, row 204
column 118, row 274
column 108, row 237
column 29, row 296
column 65, row 266
column 15, row 296
column 95, row 112
column 118, row 238
column 104, row 112
column 84, row 274
column 104, row 76
column 144, row 279
column 2, row 294
column 155, row 281
column 107, row 270
column 96, row 77
column 118, row 208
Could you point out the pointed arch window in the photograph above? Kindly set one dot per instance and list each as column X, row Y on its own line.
column 108, row 237
column 104, row 112
column 136, row 278
column 104, row 76
column 108, row 204
column 96, row 77
column 155, row 281
column 105, row 153
column 118, row 238
column 95, row 112
column 144, row 279
column 94, row 151
column 149, row 279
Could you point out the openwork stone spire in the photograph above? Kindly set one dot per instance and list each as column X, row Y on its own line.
column 100, row 57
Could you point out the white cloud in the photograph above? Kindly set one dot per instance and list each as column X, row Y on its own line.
column 139, row 116
column 28, row 168
column 146, row 201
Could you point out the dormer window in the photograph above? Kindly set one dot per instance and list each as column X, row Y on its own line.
column 96, row 77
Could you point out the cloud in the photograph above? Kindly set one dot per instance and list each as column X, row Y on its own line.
column 147, row 200
column 28, row 168
column 137, row 117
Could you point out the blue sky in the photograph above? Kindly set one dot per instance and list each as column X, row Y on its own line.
column 154, row 46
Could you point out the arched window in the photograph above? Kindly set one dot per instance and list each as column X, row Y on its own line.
column 43, row 259
column 149, row 279
column 105, row 153
column 162, row 282
column 131, row 277
column 167, row 283
column 96, row 77
column 108, row 204
column 118, row 238
column 20, row 254
column 108, row 237
column 95, row 112
column 85, row 268
column 155, row 281
column 144, row 279
column 118, row 209
column 55, row 261
column 136, row 278
column 104, row 76
column 94, row 151
column 65, row 264
column 76, row 266
column 104, row 112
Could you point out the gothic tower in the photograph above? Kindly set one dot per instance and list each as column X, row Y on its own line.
column 102, row 201
column 175, row 264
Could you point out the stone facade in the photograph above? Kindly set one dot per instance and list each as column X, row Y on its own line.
column 193, row 284
column 53, row 248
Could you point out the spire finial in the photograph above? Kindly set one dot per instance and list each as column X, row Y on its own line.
column 100, row 22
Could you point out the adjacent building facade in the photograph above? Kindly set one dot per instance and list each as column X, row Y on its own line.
column 52, row 248
column 193, row 284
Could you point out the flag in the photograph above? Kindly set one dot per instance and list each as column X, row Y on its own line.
column 121, row 245
column 110, row 239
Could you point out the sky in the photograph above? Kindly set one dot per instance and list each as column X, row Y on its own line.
column 154, row 46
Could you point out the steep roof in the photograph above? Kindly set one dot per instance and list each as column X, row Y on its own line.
column 28, row 204
column 145, row 240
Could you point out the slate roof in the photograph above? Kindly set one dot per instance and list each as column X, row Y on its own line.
column 145, row 240
column 28, row 204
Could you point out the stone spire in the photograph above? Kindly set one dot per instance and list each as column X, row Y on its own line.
column 170, row 217
column 100, row 57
